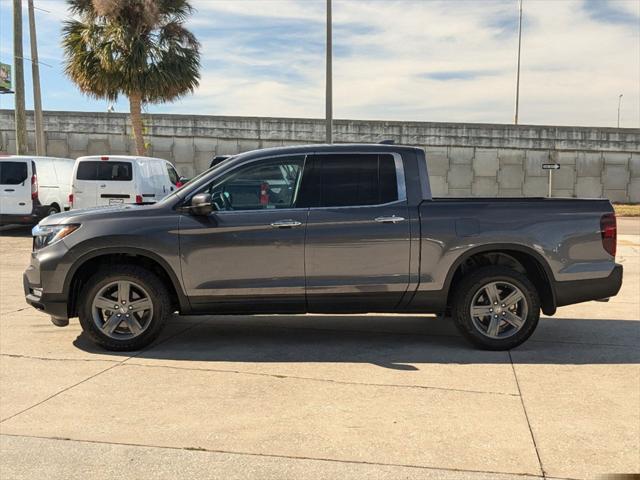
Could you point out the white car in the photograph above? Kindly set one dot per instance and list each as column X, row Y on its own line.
column 33, row 187
column 116, row 179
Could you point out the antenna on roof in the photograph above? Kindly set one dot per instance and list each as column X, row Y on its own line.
column 387, row 142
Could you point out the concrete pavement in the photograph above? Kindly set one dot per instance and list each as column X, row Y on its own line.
column 376, row 396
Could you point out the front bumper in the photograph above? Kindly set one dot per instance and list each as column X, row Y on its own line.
column 576, row 291
column 52, row 304
column 22, row 219
column 43, row 280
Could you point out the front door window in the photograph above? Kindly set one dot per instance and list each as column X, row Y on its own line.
column 268, row 184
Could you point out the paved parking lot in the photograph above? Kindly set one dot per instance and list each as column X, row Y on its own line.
column 376, row 396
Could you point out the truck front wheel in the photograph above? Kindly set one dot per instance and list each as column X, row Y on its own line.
column 496, row 308
column 123, row 307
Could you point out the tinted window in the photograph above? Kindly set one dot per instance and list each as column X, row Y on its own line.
column 13, row 173
column 104, row 170
column 350, row 180
column 262, row 185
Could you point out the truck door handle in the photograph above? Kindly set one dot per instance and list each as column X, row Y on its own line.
column 391, row 219
column 9, row 190
column 103, row 186
column 286, row 224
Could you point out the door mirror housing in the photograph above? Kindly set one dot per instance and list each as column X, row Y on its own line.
column 201, row 204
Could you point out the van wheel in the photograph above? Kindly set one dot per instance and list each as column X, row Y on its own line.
column 52, row 210
column 123, row 307
column 496, row 308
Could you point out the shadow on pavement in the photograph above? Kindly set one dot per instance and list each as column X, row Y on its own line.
column 391, row 342
column 16, row 231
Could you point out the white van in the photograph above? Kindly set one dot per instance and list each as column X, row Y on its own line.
column 33, row 187
column 116, row 179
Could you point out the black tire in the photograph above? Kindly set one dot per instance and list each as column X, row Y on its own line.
column 52, row 210
column 471, row 285
column 158, row 295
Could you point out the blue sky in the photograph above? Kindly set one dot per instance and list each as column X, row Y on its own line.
column 414, row 60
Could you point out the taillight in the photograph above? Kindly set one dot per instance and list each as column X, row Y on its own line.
column 609, row 233
column 71, row 199
column 34, row 187
column 138, row 198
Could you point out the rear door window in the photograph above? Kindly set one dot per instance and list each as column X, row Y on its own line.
column 105, row 170
column 13, row 173
column 346, row 180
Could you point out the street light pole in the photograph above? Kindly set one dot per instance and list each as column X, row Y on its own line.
column 329, row 79
column 518, row 74
column 20, row 114
column 41, row 145
column 619, row 102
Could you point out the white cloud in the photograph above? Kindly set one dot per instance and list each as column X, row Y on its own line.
column 410, row 59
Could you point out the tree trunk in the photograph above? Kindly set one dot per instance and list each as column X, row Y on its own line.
column 135, row 107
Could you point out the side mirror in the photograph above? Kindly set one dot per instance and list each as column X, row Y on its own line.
column 201, row 204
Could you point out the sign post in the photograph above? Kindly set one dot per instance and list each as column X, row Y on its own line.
column 550, row 167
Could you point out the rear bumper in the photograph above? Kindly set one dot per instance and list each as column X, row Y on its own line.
column 24, row 219
column 37, row 213
column 568, row 293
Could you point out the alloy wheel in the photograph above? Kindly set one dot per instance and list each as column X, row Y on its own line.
column 122, row 310
column 498, row 309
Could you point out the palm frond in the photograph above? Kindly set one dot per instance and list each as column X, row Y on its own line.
column 130, row 47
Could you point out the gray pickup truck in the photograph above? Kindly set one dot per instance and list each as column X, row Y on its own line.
column 322, row 229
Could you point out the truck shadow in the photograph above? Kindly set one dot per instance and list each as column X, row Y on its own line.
column 400, row 343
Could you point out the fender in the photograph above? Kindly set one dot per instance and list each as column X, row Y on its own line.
column 548, row 308
column 185, row 305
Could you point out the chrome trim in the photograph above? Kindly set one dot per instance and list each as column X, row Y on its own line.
column 286, row 223
column 391, row 219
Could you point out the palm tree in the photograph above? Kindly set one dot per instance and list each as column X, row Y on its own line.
column 136, row 48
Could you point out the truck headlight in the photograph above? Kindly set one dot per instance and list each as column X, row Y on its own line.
column 45, row 235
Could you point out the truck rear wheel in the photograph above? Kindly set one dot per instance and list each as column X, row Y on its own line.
column 123, row 307
column 496, row 308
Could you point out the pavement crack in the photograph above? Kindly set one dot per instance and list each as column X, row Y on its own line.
column 60, row 391
column 275, row 455
column 526, row 416
column 280, row 376
column 115, row 364
column 14, row 311
column 32, row 357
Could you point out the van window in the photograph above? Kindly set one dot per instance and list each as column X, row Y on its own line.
column 173, row 175
column 13, row 173
column 104, row 170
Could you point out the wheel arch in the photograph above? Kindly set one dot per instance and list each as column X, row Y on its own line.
column 532, row 262
column 88, row 263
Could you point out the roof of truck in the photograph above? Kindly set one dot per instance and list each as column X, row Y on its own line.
column 340, row 147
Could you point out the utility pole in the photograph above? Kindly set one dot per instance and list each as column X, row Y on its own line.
column 41, row 146
column 329, row 79
column 518, row 74
column 619, row 102
column 20, row 115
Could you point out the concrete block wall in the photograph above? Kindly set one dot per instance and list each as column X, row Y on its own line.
column 463, row 159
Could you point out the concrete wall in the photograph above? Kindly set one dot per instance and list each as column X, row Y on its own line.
column 464, row 159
